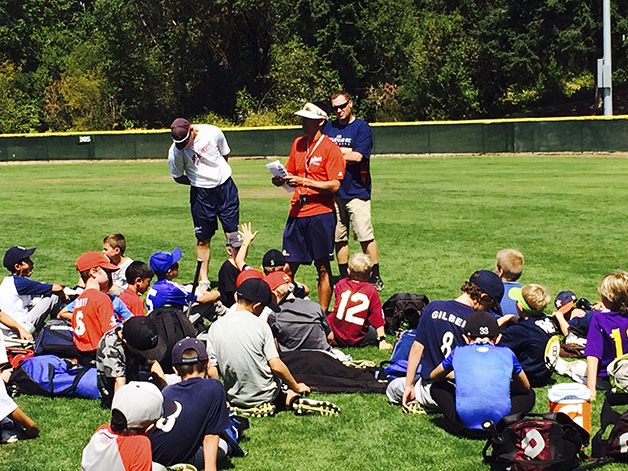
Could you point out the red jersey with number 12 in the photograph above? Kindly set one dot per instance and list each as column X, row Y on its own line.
column 356, row 307
column 91, row 319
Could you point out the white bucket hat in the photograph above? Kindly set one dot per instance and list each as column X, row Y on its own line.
column 311, row 111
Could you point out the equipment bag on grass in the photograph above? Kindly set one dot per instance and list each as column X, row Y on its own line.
column 616, row 445
column 48, row 375
column 56, row 339
column 172, row 325
column 397, row 366
column 402, row 311
column 531, row 442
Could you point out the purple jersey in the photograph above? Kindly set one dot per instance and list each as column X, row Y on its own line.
column 439, row 331
column 358, row 136
column 607, row 338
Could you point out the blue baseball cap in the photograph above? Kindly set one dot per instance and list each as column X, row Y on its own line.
column 15, row 255
column 160, row 262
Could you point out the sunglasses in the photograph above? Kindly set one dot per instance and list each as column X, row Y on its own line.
column 340, row 107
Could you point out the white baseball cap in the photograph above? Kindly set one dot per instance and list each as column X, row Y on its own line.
column 311, row 111
column 140, row 402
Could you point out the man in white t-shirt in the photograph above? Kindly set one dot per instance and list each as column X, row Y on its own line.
column 198, row 157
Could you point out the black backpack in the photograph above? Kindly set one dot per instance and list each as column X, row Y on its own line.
column 172, row 326
column 56, row 339
column 616, row 445
column 519, row 442
column 403, row 308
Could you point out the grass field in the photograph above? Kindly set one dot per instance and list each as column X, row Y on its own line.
column 436, row 221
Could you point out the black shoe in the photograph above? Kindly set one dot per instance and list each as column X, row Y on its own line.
column 377, row 282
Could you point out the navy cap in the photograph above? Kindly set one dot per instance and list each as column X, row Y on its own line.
column 565, row 300
column 160, row 262
column 189, row 344
column 256, row 290
column 491, row 284
column 481, row 324
column 15, row 255
column 273, row 258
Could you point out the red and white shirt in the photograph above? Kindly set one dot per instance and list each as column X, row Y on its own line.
column 113, row 452
column 356, row 306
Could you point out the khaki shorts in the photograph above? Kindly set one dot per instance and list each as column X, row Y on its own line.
column 357, row 213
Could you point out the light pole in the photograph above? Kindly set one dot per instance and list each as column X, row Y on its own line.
column 604, row 70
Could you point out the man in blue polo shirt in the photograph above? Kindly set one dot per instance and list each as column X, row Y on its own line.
column 353, row 201
column 26, row 301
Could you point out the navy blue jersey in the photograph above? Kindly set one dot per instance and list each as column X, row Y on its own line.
column 201, row 409
column 358, row 136
column 482, row 373
column 439, row 331
column 528, row 339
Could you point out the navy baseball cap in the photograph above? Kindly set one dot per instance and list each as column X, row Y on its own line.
column 160, row 262
column 565, row 300
column 189, row 344
column 15, row 255
column 491, row 284
column 481, row 324
column 256, row 290
column 273, row 258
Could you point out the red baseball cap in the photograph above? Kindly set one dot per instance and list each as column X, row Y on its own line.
column 248, row 274
column 92, row 260
column 277, row 278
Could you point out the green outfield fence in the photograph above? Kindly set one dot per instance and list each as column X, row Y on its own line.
column 583, row 134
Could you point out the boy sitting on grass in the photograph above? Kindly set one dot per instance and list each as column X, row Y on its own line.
column 273, row 260
column 242, row 350
column 509, row 266
column 238, row 244
column 529, row 337
column 139, row 276
column 123, row 444
column 191, row 435
column 440, row 329
column 607, row 338
column 26, row 301
column 113, row 246
column 167, row 292
column 482, row 373
column 357, row 319
column 93, row 314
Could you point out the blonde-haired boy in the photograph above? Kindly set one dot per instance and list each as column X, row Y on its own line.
column 357, row 318
column 509, row 266
column 607, row 338
column 529, row 337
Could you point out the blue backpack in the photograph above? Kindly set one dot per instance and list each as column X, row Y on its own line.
column 48, row 375
column 397, row 366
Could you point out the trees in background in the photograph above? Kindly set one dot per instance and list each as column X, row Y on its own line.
column 116, row 64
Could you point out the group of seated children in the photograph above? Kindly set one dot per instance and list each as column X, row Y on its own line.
column 455, row 341
column 494, row 321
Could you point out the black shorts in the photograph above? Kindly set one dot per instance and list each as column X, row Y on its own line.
column 210, row 204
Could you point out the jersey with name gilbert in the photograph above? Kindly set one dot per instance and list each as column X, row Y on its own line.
column 439, row 331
